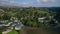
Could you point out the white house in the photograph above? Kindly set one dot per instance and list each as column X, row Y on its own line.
column 17, row 26
column 8, row 24
column 4, row 23
column 41, row 19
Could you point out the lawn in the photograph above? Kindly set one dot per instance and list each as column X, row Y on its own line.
column 14, row 32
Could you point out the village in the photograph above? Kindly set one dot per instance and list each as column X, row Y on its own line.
column 19, row 20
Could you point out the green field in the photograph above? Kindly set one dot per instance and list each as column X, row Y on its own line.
column 14, row 32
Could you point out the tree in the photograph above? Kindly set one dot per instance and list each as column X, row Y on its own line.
column 6, row 16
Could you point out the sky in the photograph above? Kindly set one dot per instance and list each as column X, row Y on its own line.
column 29, row 3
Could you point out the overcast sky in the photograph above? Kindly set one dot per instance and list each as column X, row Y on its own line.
column 27, row 3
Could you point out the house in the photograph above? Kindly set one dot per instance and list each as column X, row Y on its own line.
column 18, row 26
column 15, row 23
column 41, row 20
column 4, row 23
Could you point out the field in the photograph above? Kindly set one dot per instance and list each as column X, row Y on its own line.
column 30, row 30
column 34, row 30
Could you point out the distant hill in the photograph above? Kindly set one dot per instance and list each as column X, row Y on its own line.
column 54, row 9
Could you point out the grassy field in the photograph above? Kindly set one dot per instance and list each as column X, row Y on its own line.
column 12, row 32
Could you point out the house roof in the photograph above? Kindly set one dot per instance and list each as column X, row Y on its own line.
column 42, row 18
column 18, row 26
column 4, row 21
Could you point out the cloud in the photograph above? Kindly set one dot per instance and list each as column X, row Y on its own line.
column 48, row 0
column 38, row 0
column 12, row 1
column 30, row 2
column 4, row 0
column 45, row 1
column 25, row 3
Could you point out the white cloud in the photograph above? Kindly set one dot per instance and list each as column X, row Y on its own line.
column 38, row 0
column 12, row 1
column 29, row 3
column 25, row 3
column 45, row 0
column 48, row 0
column 7, row 1
column 3, row 0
